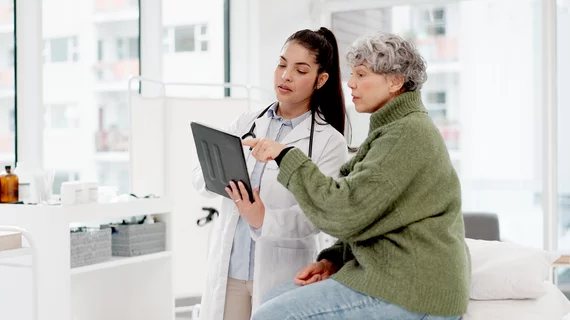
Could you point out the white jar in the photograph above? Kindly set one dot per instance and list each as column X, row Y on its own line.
column 25, row 178
column 71, row 193
column 90, row 192
column 24, row 192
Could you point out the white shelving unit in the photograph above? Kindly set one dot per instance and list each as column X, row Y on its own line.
column 10, row 254
column 29, row 251
column 119, row 261
column 122, row 288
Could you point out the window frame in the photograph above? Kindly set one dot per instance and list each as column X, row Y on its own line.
column 548, row 29
column 28, row 72
column 29, row 64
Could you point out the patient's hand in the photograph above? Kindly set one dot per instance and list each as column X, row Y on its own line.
column 315, row 272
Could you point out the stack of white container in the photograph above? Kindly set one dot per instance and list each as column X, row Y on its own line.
column 79, row 192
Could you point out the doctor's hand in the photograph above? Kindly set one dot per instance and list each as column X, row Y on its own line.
column 252, row 212
column 264, row 149
column 315, row 272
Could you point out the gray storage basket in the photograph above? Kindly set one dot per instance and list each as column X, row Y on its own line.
column 90, row 247
column 138, row 239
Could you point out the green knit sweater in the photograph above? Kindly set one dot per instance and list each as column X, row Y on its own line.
column 396, row 210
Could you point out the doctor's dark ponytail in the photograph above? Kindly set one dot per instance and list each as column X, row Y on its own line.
column 328, row 101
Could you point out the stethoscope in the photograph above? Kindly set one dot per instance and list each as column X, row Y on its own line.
column 251, row 133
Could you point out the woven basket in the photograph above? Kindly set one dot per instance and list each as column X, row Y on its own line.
column 138, row 239
column 90, row 247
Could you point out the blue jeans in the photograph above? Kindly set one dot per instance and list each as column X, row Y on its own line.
column 330, row 300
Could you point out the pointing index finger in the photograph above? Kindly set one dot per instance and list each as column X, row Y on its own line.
column 250, row 142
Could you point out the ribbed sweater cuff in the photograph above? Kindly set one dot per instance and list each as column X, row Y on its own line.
column 333, row 255
column 282, row 154
column 289, row 164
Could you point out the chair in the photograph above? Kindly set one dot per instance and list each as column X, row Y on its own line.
column 482, row 226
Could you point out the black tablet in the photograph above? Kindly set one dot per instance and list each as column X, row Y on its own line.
column 221, row 158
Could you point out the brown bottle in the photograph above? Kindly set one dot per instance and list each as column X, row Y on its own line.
column 8, row 187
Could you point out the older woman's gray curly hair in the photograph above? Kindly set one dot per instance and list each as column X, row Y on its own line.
column 386, row 53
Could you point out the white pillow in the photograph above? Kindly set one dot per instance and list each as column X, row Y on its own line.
column 501, row 270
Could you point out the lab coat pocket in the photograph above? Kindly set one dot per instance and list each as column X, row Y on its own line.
column 287, row 262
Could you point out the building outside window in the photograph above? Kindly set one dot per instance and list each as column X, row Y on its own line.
column 188, row 38
column 61, row 50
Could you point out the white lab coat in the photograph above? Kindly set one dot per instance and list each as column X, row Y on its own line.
column 288, row 240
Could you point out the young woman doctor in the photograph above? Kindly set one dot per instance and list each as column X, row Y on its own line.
column 257, row 245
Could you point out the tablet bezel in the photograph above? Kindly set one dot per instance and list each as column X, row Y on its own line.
column 202, row 132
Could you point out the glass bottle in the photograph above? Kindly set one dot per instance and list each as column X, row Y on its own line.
column 8, row 187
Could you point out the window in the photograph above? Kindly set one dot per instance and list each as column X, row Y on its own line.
column 435, row 102
column 189, row 38
column 204, row 46
column 58, row 116
column 436, row 97
column 438, row 114
column 74, row 49
column 434, row 21
column 184, row 39
column 476, row 120
column 133, row 48
column 61, row 50
column 113, row 174
column 348, row 25
column 166, row 40
column 127, row 49
column 61, row 177
column 62, row 116
column 203, row 38
column 12, row 121
column 11, row 58
column 105, row 40
column 100, row 50
column 193, row 47
column 7, row 112
column 120, row 49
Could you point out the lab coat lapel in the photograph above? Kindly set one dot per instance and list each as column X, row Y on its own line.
column 300, row 132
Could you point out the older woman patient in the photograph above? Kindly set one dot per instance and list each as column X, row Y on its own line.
column 396, row 208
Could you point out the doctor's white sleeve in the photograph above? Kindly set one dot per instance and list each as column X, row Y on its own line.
column 292, row 223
